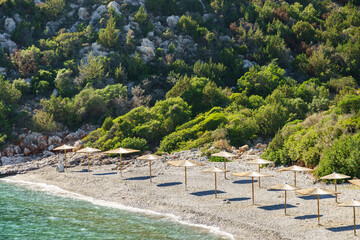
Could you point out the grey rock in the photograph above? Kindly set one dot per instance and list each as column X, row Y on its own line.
column 79, row 144
column 6, row 161
column 51, row 147
column 6, row 43
column 17, row 18
column 3, row 71
column 52, row 27
column 147, row 49
column 115, row 6
column 27, row 152
column 172, row 21
column 83, row 13
column 48, row 153
column 17, row 149
column 9, row 25
column 97, row 14
column 54, row 140
column 248, row 64
column 225, row 38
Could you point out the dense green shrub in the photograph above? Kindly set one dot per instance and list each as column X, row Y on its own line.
column 161, row 7
column 92, row 72
column 349, row 103
column 52, row 8
column 108, row 37
column 134, row 143
column 64, row 83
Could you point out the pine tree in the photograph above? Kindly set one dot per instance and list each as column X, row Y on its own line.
column 108, row 37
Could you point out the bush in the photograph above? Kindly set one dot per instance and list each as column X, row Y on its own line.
column 44, row 122
column 134, row 143
column 349, row 103
column 92, row 72
column 108, row 37
column 22, row 86
column 64, row 83
column 52, row 8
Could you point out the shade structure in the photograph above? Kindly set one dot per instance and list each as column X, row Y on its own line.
column 121, row 151
column 353, row 203
column 252, row 175
column 259, row 162
column 215, row 170
column 65, row 148
column 295, row 169
column 185, row 164
column 88, row 150
column 225, row 155
column 355, row 181
column 285, row 187
column 335, row 176
column 150, row 157
column 317, row 191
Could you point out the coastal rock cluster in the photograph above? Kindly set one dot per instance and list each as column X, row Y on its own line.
column 33, row 145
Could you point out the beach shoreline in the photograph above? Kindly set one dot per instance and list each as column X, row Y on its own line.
column 167, row 196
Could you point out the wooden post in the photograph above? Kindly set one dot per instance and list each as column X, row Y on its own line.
column 259, row 177
column 150, row 169
column 88, row 162
column 65, row 159
column 215, row 187
column 225, row 167
column 318, row 209
column 120, row 165
column 295, row 178
column 252, row 185
column 285, row 202
column 354, row 223
column 335, row 191
column 185, row 180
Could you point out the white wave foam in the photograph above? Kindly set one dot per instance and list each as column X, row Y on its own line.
column 61, row 192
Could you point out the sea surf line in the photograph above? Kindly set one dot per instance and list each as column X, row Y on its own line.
column 64, row 193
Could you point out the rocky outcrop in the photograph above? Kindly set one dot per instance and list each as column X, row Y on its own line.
column 147, row 49
column 172, row 21
column 9, row 25
column 6, row 44
column 97, row 14
column 83, row 13
column 115, row 6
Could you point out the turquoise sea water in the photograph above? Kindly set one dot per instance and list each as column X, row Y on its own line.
column 31, row 214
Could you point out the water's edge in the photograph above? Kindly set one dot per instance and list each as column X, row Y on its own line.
column 52, row 189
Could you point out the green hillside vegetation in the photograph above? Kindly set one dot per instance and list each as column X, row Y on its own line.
column 284, row 71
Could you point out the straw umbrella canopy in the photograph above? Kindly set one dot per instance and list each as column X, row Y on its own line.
column 150, row 157
column 353, row 203
column 185, row 164
column 225, row 155
column 295, row 169
column 88, row 150
column 216, row 170
column 355, row 181
column 65, row 148
column 260, row 162
column 285, row 187
column 317, row 191
column 121, row 151
column 252, row 175
column 335, row 176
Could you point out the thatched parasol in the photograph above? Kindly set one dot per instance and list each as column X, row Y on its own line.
column 215, row 170
column 185, row 163
column 353, row 203
column 121, row 151
column 65, row 148
column 295, row 169
column 285, row 187
column 252, row 175
column 88, row 150
column 317, row 191
column 260, row 162
column 335, row 176
column 224, row 155
column 150, row 157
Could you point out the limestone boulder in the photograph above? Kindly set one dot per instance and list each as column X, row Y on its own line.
column 10, row 25
column 172, row 21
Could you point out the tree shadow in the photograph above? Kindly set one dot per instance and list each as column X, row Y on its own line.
column 277, row 207
column 169, row 184
column 342, row 228
column 245, row 181
column 104, row 174
column 307, row 217
column 238, row 199
column 140, row 178
column 312, row 197
column 206, row 193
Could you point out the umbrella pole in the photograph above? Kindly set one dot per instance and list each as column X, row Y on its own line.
column 89, row 162
column 318, row 209
column 285, row 202
column 295, row 178
column 150, row 169
column 185, row 180
column 252, row 186
column 259, row 177
column 335, row 191
column 225, row 167
column 65, row 159
column 215, row 187
column 120, row 165
column 354, row 222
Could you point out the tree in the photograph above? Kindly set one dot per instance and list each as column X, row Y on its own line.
column 92, row 72
column 108, row 37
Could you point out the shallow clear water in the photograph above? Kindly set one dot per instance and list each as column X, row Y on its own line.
column 30, row 214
